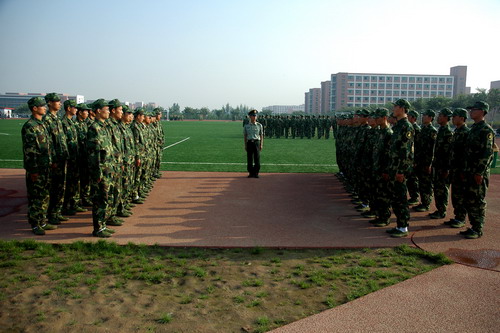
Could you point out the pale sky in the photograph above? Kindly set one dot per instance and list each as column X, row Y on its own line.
column 258, row 53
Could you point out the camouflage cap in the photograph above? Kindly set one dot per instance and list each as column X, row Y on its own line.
column 430, row 113
column 36, row 101
column 382, row 112
column 253, row 112
column 52, row 97
column 70, row 103
column 139, row 111
column 83, row 107
column 156, row 111
column 126, row 109
column 460, row 113
column 413, row 113
column 99, row 104
column 115, row 103
column 402, row 103
column 446, row 112
column 479, row 105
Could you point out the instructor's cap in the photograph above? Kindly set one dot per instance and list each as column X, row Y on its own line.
column 252, row 113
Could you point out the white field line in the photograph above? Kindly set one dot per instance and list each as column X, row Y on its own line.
column 271, row 164
column 176, row 143
column 211, row 163
column 4, row 134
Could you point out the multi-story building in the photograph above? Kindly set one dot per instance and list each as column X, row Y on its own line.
column 281, row 109
column 325, row 97
column 14, row 100
column 367, row 89
column 495, row 84
column 313, row 101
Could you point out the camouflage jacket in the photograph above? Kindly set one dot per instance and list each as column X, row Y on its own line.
column 479, row 149
column 82, row 129
column 128, row 143
column 117, row 140
column 58, row 137
column 100, row 151
column 37, row 146
column 381, row 151
column 442, row 152
column 401, row 148
column 69, row 128
column 458, row 143
column 425, row 144
column 138, row 129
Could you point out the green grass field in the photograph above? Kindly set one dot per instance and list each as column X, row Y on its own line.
column 208, row 146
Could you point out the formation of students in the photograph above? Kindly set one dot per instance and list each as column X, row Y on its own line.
column 295, row 126
column 382, row 165
column 102, row 155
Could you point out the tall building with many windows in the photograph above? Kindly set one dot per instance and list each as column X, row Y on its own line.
column 313, row 101
column 367, row 89
column 325, row 97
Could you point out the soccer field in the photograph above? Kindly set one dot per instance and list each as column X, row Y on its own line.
column 206, row 146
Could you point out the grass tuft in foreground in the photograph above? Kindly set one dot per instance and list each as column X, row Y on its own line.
column 149, row 288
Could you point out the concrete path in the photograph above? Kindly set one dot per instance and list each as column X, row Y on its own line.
column 303, row 210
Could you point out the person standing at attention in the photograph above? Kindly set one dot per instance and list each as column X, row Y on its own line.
column 253, row 135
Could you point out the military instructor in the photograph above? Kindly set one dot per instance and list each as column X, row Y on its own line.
column 253, row 135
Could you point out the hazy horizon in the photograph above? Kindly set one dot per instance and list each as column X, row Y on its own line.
column 259, row 53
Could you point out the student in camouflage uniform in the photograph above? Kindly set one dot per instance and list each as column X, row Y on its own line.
column 367, row 165
column 37, row 152
column 72, row 189
column 382, row 194
column 113, row 122
column 400, row 163
column 441, row 164
column 59, row 159
column 138, row 129
column 457, row 168
column 478, row 157
column 424, row 156
column 160, row 141
column 412, row 178
column 101, row 162
column 82, row 126
column 129, row 161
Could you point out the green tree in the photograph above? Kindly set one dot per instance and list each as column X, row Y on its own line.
column 175, row 109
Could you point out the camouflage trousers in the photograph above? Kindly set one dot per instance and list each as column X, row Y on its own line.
column 38, row 198
column 100, row 203
column 458, row 191
column 441, row 190
column 399, row 202
column 412, row 184
column 84, row 181
column 57, row 186
column 127, row 186
column 382, row 199
column 475, row 202
column 425, row 187
column 72, row 187
column 115, row 190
